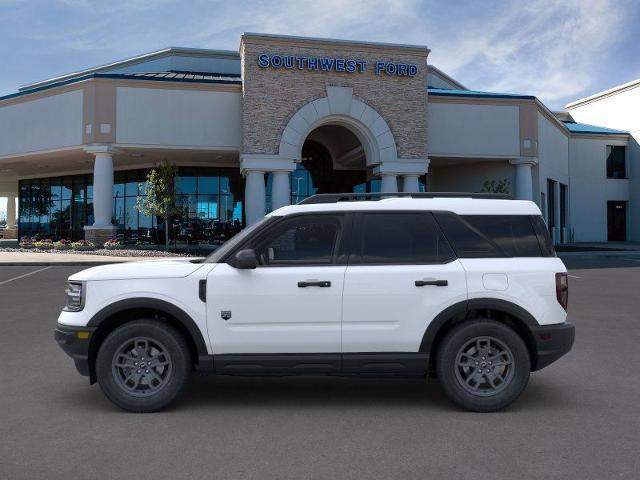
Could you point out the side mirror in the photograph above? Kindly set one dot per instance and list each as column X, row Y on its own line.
column 245, row 259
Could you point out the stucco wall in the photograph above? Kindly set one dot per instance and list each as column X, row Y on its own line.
column 590, row 189
column 272, row 96
column 190, row 118
column 473, row 129
column 553, row 159
column 620, row 111
column 469, row 175
column 43, row 124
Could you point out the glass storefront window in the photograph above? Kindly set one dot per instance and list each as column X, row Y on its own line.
column 60, row 207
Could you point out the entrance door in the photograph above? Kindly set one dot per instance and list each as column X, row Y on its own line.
column 617, row 221
column 402, row 274
column 292, row 302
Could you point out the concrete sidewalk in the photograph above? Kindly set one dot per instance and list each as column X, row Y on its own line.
column 37, row 259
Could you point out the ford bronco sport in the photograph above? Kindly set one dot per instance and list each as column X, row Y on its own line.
column 464, row 287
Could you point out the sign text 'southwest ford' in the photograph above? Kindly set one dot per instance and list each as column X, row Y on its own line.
column 332, row 64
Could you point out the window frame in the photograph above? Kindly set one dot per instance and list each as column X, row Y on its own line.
column 357, row 238
column 608, row 150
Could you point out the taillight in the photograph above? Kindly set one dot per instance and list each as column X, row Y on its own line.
column 562, row 289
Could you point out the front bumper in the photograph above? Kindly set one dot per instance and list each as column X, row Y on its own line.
column 552, row 342
column 75, row 343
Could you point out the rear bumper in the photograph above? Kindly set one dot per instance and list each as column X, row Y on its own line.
column 75, row 343
column 552, row 342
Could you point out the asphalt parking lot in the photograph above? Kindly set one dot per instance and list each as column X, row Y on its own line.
column 578, row 418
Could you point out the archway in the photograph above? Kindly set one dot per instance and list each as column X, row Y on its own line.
column 340, row 109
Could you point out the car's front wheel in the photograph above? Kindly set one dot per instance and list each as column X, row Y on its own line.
column 483, row 365
column 143, row 365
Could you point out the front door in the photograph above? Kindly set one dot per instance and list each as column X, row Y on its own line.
column 617, row 221
column 292, row 302
column 402, row 274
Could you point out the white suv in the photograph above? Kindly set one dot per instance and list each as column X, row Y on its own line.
column 466, row 288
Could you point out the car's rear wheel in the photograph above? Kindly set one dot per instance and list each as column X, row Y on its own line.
column 483, row 365
column 143, row 365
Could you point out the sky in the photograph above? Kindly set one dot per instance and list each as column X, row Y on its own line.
column 557, row 50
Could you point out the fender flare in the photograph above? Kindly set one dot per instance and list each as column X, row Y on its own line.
column 155, row 304
column 464, row 307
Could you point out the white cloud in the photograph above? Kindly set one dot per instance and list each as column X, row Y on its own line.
column 548, row 49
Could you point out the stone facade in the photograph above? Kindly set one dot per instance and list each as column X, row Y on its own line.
column 272, row 96
column 98, row 236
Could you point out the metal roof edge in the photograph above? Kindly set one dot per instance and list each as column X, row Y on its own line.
column 131, row 61
column 337, row 41
column 605, row 93
column 447, row 77
column 123, row 76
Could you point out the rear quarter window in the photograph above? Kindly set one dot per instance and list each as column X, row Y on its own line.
column 491, row 236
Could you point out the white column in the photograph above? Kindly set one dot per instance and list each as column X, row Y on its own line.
column 524, row 178
column 11, row 211
column 103, row 190
column 411, row 183
column 254, row 196
column 280, row 190
column 389, row 183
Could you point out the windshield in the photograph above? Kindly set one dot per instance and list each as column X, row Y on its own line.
column 226, row 247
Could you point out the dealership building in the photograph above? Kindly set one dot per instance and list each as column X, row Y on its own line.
column 285, row 117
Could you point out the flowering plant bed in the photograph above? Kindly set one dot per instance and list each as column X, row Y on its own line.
column 62, row 245
column 43, row 244
column 26, row 242
column 113, row 245
column 83, row 245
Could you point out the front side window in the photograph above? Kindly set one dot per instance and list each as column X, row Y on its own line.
column 402, row 238
column 616, row 167
column 303, row 240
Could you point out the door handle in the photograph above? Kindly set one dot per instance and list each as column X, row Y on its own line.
column 314, row 283
column 437, row 283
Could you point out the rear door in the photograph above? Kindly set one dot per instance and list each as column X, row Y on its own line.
column 401, row 274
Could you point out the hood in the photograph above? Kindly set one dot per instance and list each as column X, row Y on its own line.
column 175, row 268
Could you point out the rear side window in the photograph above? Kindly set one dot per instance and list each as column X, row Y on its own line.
column 402, row 238
column 544, row 239
column 513, row 234
column 475, row 236
column 466, row 240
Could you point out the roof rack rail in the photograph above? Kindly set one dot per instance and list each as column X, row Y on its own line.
column 356, row 197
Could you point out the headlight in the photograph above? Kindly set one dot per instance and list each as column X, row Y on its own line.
column 75, row 297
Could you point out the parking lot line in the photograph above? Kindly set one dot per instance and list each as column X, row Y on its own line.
column 574, row 276
column 25, row 275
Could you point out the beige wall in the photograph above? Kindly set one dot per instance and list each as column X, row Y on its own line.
column 272, row 96
column 172, row 117
column 473, row 129
column 45, row 123
column 469, row 175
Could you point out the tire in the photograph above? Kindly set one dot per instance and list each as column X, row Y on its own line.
column 474, row 373
column 143, row 365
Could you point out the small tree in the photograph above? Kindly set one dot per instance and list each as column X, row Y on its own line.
column 500, row 186
column 160, row 200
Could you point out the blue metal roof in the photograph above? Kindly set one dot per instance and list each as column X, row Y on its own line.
column 188, row 77
column 575, row 127
column 445, row 92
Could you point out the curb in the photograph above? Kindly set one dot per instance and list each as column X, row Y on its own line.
column 601, row 253
column 57, row 264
